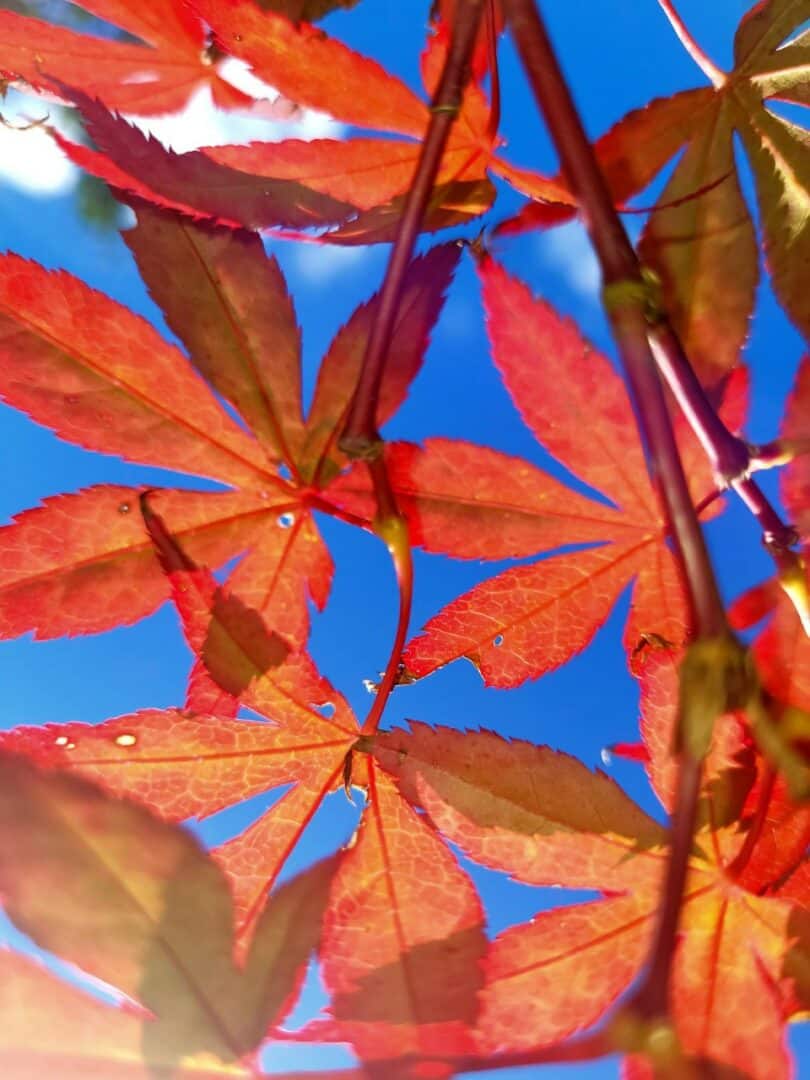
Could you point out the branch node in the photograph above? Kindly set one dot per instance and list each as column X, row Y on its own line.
column 643, row 291
column 362, row 447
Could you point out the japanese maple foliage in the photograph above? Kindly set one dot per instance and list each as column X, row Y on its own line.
column 187, row 962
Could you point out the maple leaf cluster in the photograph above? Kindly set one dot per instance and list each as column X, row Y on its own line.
column 205, row 951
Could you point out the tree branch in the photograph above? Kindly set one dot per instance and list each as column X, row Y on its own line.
column 360, row 437
column 629, row 304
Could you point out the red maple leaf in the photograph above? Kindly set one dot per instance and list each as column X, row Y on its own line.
column 542, row 817
column 102, row 377
column 362, row 178
column 157, row 76
column 144, row 909
column 700, row 230
column 531, row 619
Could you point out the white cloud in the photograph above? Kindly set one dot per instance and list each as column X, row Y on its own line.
column 31, row 161
column 567, row 250
column 320, row 262
column 270, row 120
column 29, row 158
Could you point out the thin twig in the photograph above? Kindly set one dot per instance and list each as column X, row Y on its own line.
column 360, row 437
column 712, row 72
column 730, row 456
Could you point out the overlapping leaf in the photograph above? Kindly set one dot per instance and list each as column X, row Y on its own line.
column 403, row 940
column 144, row 909
column 191, row 183
column 357, row 185
column 702, row 241
column 102, row 377
column 401, row 949
column 157, row 76
column 581, row 831
column 531, row 619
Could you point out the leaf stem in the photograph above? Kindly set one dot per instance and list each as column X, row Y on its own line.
column 393, row 529
column 713, row 73
column 627, row 297
column 730, row 456
column 360, row 435
column 494, row 121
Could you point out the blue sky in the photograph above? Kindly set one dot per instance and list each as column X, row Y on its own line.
column 618, row 54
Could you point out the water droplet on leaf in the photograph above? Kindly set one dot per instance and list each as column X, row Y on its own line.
column 62, row 740
column 126, row 740
column 497, row 641
column 606, row 756
column 284, row 521
column 124, row 508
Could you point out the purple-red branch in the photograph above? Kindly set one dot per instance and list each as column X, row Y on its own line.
column 628, row 307
column 360, row 437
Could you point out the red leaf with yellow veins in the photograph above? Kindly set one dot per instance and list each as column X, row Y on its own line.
column 101, row 376
column 143, row 908
column 73, row 359
column 702, row 231
column 150, row 755
column 295, row 183
column 558, row 822
column 83, row 563
column 312, row 69
column 527, row 620
column 531, row 619
column 593, row 950
column 513, row 509
column 182, row 765
column 228, row 304
column 402, row 938
column 156, row 79
column 363, row 172
column 526, row 802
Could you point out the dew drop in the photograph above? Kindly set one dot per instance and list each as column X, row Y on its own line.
column 124, row 508
column 62, row 740
column 606, row 756
column 70, row 746
column 497, row 641
column 126, row 740
column 284, row 521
